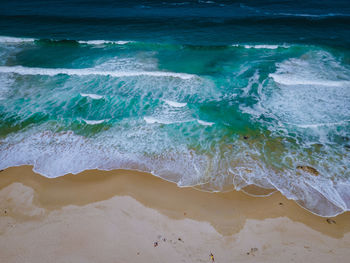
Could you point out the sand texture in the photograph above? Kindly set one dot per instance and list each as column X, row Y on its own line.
column 127, row 216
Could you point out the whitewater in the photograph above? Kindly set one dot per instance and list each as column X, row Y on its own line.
column 219, row 117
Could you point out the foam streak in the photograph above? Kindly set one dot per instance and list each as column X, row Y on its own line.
column 89, row 71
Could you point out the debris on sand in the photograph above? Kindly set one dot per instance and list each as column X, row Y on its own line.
column 330, row 221
column 252, row 251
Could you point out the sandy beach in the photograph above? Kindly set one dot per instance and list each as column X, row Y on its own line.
column 127, row 216
column 174, row 131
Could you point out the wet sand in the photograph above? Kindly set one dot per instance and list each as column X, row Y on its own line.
column 128, row 216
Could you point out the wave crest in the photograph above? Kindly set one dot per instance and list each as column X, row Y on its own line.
column 90, row 71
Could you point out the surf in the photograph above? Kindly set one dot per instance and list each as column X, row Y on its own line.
column 211, row 115
column 86, row 72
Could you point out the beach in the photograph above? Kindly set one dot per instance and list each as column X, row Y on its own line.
column 130, row 216
column 174, row 131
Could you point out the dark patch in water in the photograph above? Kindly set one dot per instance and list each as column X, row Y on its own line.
column 52, row 42
column 308, row 169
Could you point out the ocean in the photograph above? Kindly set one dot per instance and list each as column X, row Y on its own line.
column 218, row 95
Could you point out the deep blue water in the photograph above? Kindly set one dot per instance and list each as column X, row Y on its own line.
column 190, row 22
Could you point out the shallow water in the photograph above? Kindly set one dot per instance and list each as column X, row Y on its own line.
column 199, row 93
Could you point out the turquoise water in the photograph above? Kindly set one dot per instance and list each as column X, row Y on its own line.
column 221, row 114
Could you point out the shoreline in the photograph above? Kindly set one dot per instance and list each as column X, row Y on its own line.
column 32, row 202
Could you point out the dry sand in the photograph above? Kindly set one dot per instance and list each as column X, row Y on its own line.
column 127, row 216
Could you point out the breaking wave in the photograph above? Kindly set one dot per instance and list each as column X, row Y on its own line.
column 86, row 72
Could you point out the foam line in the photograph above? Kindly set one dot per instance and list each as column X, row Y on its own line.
column 261, row 46
column 205, row 123
column 316, row 125
column 89, row 71
column 152, row 120
column 284, row 79
column 102, row 42
column 93, row 122
column 4, row 39
column 92, row 96
column 175, row 104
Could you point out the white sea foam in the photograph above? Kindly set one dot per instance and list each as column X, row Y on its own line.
column 102, row 42
column 205, row 123
column 175, row 104
column 123, row 147
column 317, row 125
column 260, row 46
column 142, row 147
column 290, row 79
column 90, row 71
column 92, row 96
column 313, row 92
column 94, row 122
column 152, row 120
column 5, row 83
column 5, row 39
column 318, row 68
column 167, row 119
column 135, row 63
